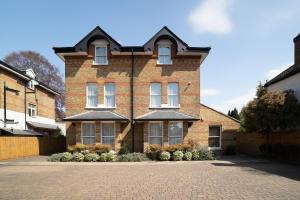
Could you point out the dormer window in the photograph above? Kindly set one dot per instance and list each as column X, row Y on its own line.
column 30, row 85
column 100, row 57
column 164, row 53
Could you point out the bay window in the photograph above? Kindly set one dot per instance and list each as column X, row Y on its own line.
column 108, row 133
column 155, row 95
column 156, row 133
column 173, row 95
column 175, row 133
column 109, row 95
column 92, row 95
column 88, row 133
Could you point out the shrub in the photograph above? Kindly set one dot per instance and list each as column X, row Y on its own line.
column 132, row 157
column 55, row 157
column 66, row 157
column 124, row 149
column 178, row 147
column 84, row 152
column 78, row 147
column 111, row 156
column 195, row 155
column 103, row 157
column 100, row 148
column 187, row 156
column 209, row 155
column 91, row 157
column 71, row 149
column 78, row 157
column 164, row 156
column 230, row 150
column 177, row 155
column 153, row 151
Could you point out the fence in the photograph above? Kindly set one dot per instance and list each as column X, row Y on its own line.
column 12, row 147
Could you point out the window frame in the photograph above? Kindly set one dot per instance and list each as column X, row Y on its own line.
column 178, row 92
column 87, row 95
column 181, row 122
column 32, row 107
column 164, row 45
column 81, row 135
column 162, row 131
column 30, row 85
column 101, row 131
column 114, row 95
column 220, row 140
column 152, row 106
column 95, row 54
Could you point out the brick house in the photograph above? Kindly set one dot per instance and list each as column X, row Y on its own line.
column 25, row 103
column 138, row 95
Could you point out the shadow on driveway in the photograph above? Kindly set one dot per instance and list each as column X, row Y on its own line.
column 261, row 166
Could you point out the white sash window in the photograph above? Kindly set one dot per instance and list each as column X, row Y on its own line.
column 109, row 95
column 155, row 95
column 156, row 133
column 88, row 133
column 108, row 133
column 173, row 95
column 175, row 133
column 92, row 95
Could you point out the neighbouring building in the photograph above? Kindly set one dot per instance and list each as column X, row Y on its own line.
column 290, row 78
column 138, row 95
column 25, row 103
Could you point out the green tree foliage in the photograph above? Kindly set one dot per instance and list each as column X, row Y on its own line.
column 271, row 111
column 234, row 114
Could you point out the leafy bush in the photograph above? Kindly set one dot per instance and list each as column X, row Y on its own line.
column 124, row 149
column 209, row 155
column 187, row 156
column 55, row 157
column 84, row 152
column 153, row 151
column 164, row 156
column 195, row 155
column 100, row 148
column 111, row 156
column 71, row 149
column 103, row 157
column 177, row 155
column 78, row 147
column 178, row 147
column 66, row 157
column 230, row 150
column 132, row 157
column 91, row 157
column 78, row 157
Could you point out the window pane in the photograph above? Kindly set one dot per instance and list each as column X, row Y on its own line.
column 108, row 140
column 109, row 98
column 155, row 94
column 101, row 55
column 164, row 54
column 175, row 129
column 92, row 95
column 155, row 89
column 108, row 129
column 156, row 101
column 155, row 140
column 214, row 131
column 101, row 51
column 214, row 142
column 173, row 88
column 155, row 129
column 175, row 140
column 88, row 129
column 89, row 140
column 173, row 96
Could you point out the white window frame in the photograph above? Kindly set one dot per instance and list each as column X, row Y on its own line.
column 105, row 105
column 100, row 43
column 181, row 122
column 32, row 107
column 88, row 122
column 87, row 95
column 109, row 122
column 30, row 85
column 220, row 140
column 153, row 106
column 162, row 129
column 161, row 44
column 178, row 92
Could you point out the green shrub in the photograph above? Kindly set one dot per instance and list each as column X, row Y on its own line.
column 103, row 157
column 178, row 147
column 124, row 149
column 209, row 155
column 71, row 149
column 100, row 148
column 177, row 155
column 66, row 157
column 195, row 155
column 84, row 152
column 164, row 156
column 132, row 157
column 187, row 156
column 55, row 157
column 111, row 156
column 230, row 150
column 78, row 147
column 78, row 157
column 91, row 157
column 153, row 151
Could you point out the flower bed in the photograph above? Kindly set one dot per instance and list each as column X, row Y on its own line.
column 103, row 153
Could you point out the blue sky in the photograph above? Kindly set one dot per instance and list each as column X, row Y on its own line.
column 251, row 40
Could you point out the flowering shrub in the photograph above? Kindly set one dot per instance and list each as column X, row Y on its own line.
column 100, row 148
column 78, row 147
column 91, row 157
column 78, row 157
column 103, row 157
column 187, row 156
column 111, row 156
column 195, row 155
column 55, row 157
column 177, row 155
column 84, row 152
column 164, row 156
column 66, row 157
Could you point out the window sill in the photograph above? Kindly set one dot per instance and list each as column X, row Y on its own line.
column 165, row 107
column 164, row 64
column 98, row 64
column 99, row 107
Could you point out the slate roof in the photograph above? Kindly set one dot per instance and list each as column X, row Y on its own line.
column 97, row 115
column 42, row 125
column 159, row 115
column 294, row 69
column 10, row 131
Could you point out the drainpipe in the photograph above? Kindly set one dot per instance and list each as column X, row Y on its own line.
column 25, row 102
column 131, row 98
column 4, row 104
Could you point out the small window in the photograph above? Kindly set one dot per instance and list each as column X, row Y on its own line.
column 175, row 132
column 155, row 95
column 108, row 134
column 32, row 110
column 92, row 95
column 30, row 85
column 101, row 55
column 109, row 95
column 214, row 138
column 173, row 95
column 88, row 133
column 164, row 54
column 156, row 133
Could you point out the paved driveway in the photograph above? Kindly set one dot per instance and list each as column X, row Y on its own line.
column 222, row 179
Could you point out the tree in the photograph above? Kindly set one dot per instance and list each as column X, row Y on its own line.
column 45, row 72
column 271, row 111
column 234, row 114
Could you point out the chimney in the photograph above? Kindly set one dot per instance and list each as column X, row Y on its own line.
column 297, row 49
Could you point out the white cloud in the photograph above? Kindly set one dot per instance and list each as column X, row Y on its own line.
column 275, row 71
column 209, row 92
column 211, row 16
column 236, row 102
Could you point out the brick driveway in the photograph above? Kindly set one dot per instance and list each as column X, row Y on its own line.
column 223, row 179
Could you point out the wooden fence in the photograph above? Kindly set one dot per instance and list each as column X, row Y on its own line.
column 12, row 147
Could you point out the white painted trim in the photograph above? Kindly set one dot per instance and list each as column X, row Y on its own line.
column 150, row 105
column 181, row 130
column 101, row 135
column 220, row 138
column 162, row 129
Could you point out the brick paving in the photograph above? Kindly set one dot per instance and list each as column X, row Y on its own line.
column 229, row 179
